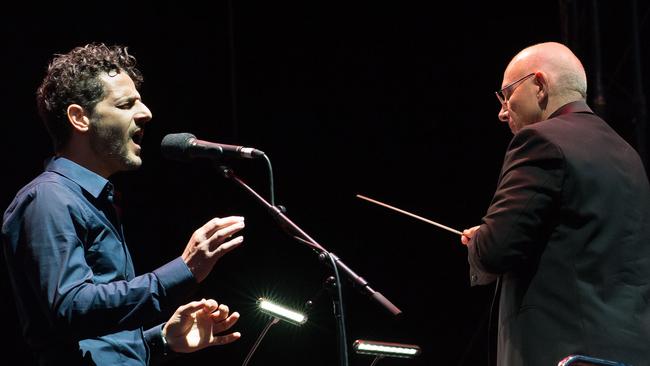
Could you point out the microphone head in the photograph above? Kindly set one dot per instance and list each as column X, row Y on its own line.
column 175, row 146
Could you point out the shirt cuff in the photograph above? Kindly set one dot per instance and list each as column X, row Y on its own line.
column 176, row 279
column 159, row 352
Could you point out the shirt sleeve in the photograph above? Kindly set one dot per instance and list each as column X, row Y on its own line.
column 51, row 251
column 518, row 221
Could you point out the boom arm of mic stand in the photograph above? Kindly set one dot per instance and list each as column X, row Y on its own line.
column 293, row 230
column 362, row 284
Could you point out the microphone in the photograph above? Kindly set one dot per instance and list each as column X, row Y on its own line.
column 185, row 146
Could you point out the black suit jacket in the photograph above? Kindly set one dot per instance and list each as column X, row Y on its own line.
column 568, row 231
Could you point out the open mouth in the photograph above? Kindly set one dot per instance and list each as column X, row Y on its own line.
column 137, row 136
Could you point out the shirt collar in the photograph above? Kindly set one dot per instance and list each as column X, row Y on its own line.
column 579, row 106
column 91, row 182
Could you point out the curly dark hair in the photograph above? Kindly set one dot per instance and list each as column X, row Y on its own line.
column 73, row 78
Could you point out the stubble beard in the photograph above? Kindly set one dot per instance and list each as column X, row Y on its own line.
column 112, row 145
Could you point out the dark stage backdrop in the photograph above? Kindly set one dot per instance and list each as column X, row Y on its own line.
column 392, row 100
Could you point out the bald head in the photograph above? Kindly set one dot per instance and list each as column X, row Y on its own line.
column 566, row 75
column 538, row 81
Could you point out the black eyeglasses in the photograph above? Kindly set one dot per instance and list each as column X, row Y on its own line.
column 504, row 94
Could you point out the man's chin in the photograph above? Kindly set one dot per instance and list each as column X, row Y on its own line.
column 133, row 163
column 513, row 128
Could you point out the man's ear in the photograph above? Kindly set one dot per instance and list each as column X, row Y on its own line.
column 541, row 81
column 78, row 118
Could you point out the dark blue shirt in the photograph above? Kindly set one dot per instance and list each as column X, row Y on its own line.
column 78, row 299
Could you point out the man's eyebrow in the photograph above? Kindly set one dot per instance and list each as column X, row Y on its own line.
column 126, row 98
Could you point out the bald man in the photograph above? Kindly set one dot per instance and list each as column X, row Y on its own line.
column 568, row 231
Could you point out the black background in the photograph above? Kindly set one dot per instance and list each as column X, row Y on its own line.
column 392, row 100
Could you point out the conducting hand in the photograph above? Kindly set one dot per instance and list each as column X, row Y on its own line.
column 210, row 242
column 468, row 234
column 196, row 325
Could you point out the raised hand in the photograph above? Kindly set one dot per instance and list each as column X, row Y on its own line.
column 210, row 242
column 197, row 325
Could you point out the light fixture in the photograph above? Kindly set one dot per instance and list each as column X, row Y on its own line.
column 277, row 313
column 386, row 349
column 281, row 312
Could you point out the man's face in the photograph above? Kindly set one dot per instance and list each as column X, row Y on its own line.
column 521, row 107
column 116, row 124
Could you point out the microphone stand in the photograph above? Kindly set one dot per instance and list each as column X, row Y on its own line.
column 337, row 265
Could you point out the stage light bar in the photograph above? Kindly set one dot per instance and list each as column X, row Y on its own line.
column 281, row 312
column 386, row 349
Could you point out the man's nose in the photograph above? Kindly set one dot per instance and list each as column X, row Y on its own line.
column 503, row 114
column 144, row 114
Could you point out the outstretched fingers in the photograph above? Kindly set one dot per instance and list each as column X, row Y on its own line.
column 222, row 320
column 223, row 248
column 222, row 227
column 218, row 233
